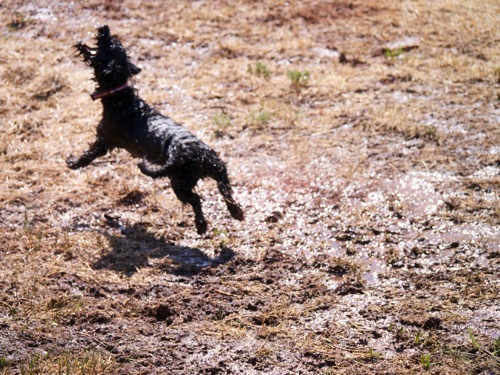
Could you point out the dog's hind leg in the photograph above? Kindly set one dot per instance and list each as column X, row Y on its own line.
column 183, row 189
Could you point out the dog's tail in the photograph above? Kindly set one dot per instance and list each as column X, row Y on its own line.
column 219, row 173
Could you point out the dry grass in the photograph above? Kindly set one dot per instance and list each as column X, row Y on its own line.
column 371, row 190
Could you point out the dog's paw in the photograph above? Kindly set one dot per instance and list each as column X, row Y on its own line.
column 201, row 226
column 236, row 211
column 72, row 162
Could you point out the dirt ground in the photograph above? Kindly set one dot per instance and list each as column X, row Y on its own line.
column 362, row 139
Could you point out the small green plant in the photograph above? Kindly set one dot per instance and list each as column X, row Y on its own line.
column 375, row 355
column 260, row 70
column 222, row 121
column 219, row 232
column 392, row 54
column 473, row 339
column 496, row 347
column 31, row 365
column 299, row 78
column 4, row 362
column 419, row 337
column 425, row 361
column 260, row 118
column 12, row 312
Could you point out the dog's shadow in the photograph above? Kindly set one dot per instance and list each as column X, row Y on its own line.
column 137, row 248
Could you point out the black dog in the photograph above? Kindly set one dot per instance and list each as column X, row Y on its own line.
column 166, row 148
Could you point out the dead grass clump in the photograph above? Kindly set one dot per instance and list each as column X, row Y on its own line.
column 275, row 316
column 497, row 74
column 26, row 129
column 91, row 362
column 333, row 271
column 337, row 266
column 18, row 75
column 163, row 312
column 48, row 86
column 18, row 22
column 230, row 47
column 397, row 120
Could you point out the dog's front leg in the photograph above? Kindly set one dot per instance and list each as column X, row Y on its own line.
column 96, row 149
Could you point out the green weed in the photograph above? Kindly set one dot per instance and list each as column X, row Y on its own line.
column 12, row 311
column 222, row 121
column 219, row 232
column 419, row 338
column 30, row 366
column 260, row 70
column 425, row 361
column 496, row 347
column 375, row 355
column 392, row 54
column 298, row 78
column 4, row 362
column 472, row 337
column 260, row 118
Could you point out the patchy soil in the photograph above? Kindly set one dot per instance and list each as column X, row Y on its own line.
column 362, row 139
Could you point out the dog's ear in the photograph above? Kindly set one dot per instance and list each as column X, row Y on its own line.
column 134, row 69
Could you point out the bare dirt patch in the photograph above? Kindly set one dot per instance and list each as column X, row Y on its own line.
column 370, row 185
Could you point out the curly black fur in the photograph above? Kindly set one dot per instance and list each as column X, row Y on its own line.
column 166, row 148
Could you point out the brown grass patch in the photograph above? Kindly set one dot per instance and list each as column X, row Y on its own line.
column 370, row 189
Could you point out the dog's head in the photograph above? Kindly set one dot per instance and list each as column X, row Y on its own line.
column 112, row 66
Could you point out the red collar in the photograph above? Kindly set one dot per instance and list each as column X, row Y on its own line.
column 105, row 93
